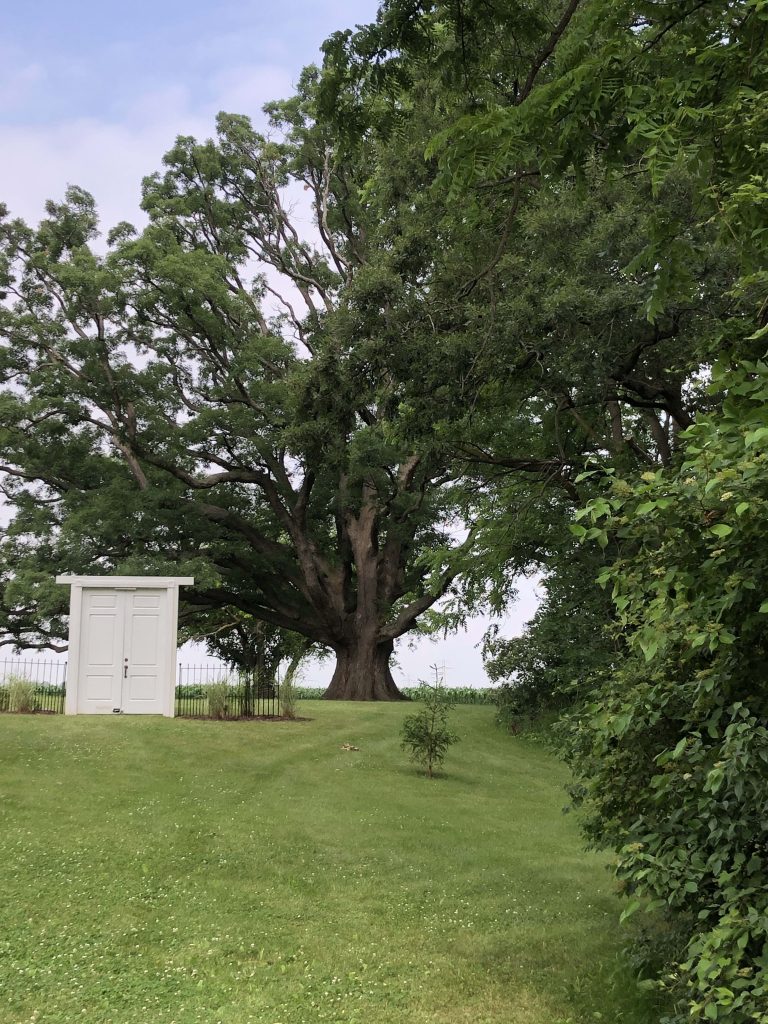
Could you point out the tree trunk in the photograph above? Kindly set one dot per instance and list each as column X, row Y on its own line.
column 362, row 672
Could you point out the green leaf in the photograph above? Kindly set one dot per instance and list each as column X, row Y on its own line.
column 715, row 779
column 679, row 748
column 647, row 985
column 741, row 508
column 629, row 911
column 754, row 436
column 621, row 723
column 601, row 536
column 649, row 646
column 721, row 529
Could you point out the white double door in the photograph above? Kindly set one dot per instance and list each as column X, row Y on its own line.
column 123, row 651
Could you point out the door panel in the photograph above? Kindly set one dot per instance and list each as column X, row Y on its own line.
column 103, row 636
column 146, row 628
column 101, row 688
column 142, row 688
column 101, row 646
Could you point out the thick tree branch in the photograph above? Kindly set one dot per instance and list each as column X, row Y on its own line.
column 547, row 50
column 223, row 598
column 407, row 617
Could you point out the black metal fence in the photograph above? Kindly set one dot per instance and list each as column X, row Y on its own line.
column 210, row 691
column 31, row 685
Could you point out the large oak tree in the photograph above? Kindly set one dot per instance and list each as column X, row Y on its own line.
column 222, row 394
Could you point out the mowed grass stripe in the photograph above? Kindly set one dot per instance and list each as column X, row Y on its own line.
column 186, row 872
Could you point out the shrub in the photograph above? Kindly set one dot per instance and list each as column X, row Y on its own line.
column 426, row 734
column 21, row 694
column 564, row 648
column 671, row 756
column 219, row 696
column 5, row 697
column 512, row 707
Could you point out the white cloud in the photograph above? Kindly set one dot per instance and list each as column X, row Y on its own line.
column 16, row 84
column 110, row 156
column 245, row 89
column 109, row 160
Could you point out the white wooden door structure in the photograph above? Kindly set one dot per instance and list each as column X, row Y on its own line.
column 122, row 644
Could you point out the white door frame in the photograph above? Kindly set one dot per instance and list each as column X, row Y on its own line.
column 170, row 584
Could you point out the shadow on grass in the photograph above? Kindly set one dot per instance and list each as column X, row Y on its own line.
column 241, row 718
column 443, row 778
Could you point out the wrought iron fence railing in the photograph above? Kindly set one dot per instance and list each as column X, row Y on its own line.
column 210, row 691
column 29, row 685
column 33, row 685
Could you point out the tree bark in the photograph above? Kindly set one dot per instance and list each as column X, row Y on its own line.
column 362, row 672
column 617, row 428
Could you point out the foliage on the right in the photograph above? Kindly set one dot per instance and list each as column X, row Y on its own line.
column 672, row 752
column 426, row 734
column 670, row 747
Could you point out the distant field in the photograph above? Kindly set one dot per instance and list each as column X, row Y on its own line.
column 190, row 872
column 457, row 694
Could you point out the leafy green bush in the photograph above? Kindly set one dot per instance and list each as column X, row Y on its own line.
column 48, row 689
column 513, row 707
column 550, row 666
column 5, row 697
column 672, row 753
column 237, row 684
column 21, row 694
column 426, row 734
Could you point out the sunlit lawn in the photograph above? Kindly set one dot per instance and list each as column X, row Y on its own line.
column 162, row 871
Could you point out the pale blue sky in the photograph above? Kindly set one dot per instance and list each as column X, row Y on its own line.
column 94, row 93
column 92, row 58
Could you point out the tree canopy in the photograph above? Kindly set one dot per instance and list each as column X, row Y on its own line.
column 220, row 396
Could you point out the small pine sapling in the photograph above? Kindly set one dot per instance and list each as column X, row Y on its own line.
column 426, row 734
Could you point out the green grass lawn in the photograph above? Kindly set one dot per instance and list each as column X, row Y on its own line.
column 157, row 871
